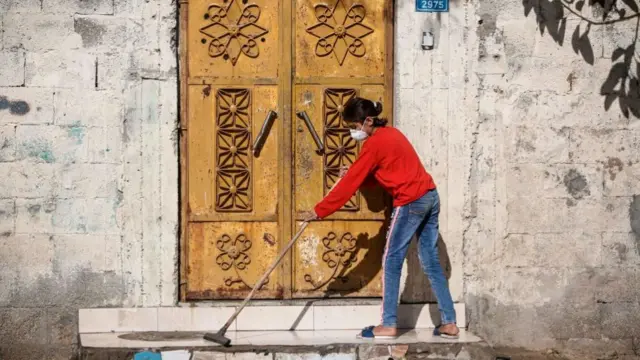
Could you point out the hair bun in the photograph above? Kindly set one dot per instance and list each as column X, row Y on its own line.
column 378, row 106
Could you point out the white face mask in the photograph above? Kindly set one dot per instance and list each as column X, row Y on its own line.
column 358, row 135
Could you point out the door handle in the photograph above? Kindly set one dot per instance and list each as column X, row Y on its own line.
column 264, row 132
column 303, row 115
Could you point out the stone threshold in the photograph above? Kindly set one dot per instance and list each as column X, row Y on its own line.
column 259, row 316
column 251, row 340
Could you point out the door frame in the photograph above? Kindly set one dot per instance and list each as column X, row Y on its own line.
column 286, row 211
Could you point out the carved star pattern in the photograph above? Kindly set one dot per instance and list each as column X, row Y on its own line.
column 233, row 143
column 341, row 148
column 233, row 30
column 340, row 30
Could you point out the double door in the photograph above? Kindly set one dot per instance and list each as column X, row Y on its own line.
column 264, row 84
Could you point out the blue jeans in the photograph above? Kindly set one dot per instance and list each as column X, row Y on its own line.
column 419, row 217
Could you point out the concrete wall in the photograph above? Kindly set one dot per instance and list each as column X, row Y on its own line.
column 539, row 183
column 88, row 165
column 542, row 193
column 563, row 192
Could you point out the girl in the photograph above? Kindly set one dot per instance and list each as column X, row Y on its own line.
column 388, row 157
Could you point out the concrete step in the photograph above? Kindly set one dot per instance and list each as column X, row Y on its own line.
column 281, row 345
column 259, row 315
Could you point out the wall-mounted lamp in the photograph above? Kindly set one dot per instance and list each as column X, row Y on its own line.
column 427, row 40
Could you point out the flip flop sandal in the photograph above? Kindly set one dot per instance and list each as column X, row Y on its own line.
column 367, row 333
column 437, row 332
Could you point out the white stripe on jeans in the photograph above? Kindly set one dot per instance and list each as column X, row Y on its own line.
column 386, row 251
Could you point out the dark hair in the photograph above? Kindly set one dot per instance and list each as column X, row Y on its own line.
column 358, row 110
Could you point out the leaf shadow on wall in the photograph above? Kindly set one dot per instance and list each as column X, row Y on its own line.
column 623, row 82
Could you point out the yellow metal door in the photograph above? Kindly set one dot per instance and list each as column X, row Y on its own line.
column 342, row 49
column 253, row 71
column 233, row 137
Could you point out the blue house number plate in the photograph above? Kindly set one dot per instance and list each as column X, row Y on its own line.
column 432, row 5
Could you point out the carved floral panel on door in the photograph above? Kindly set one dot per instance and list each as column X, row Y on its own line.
column 340, row 149
column 336, row 258
column 340, row 38
column 340, row 31
column 229, row 259
column 233, row 38
column 225, row 123
column 233, row 30
column 233, row 153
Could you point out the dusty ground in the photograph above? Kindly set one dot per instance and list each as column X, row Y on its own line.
column 523, row 354
column 419, row 351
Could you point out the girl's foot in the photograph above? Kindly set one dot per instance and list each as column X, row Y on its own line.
column 378, row 332
column 447, row 331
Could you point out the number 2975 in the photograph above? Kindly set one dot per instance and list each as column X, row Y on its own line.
column 432, row 5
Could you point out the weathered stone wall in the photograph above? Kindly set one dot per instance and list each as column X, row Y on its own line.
column 540, row 180
column 566, row 249
column 88, row 165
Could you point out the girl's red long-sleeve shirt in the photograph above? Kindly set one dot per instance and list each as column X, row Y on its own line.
column 390, row 158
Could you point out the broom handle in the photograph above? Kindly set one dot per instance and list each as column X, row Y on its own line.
column 265, row 276
column 269, row 271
